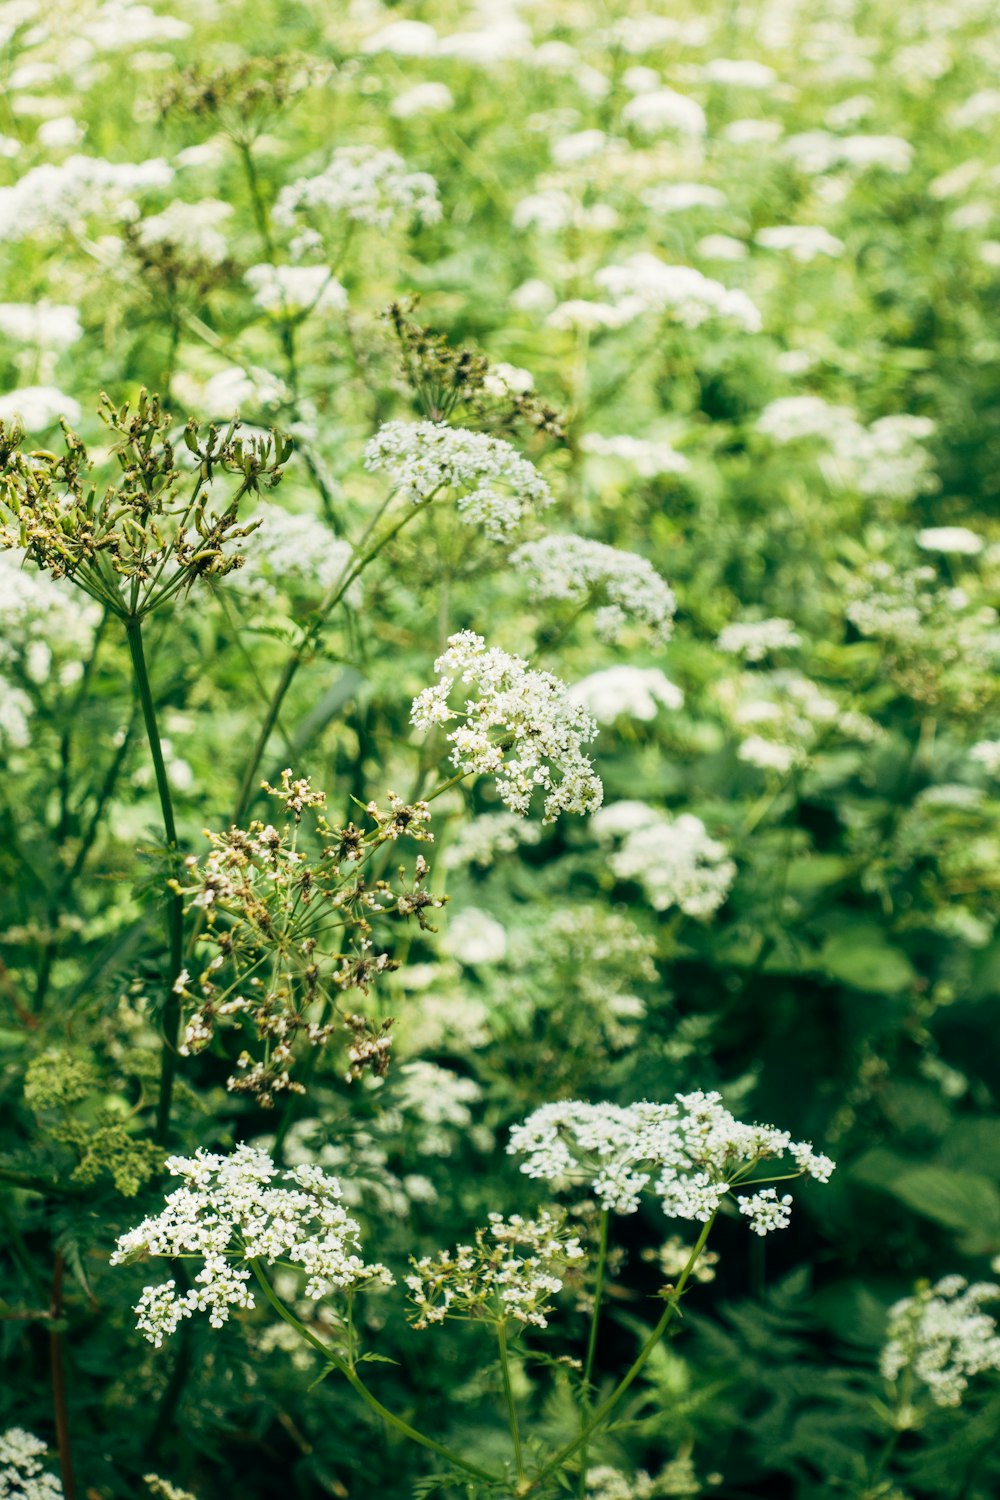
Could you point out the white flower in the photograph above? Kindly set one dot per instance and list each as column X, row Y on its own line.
column 942, row 1335
column 754, row 639
column 740, row 72
column 638, row 692
column 722, row 247
column 802, row 241
column 284, row 290
column 474, row 937
column 227, row 1214
column 435, row 1095
column 648, row 457
column 494, row 486
column 481, row 839
column 673, row 859
column 50, row 198
column 691, row 1153
column 644, row 284
column 958, row 540
column 987, row 753
column 39, row 406
column 765, row 1210
column 22, row 1476
column 426, row 98
column 47, row 325
column 367, row 184
column 663, row 109
column 626, row 586
column 675, row 197
column 522, row 729
column 404, row 38
column 293, row 554
column 192, row 227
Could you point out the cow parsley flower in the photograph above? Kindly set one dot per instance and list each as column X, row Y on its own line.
column 646, row 284
column 664, row 109
column 295, row 554
column 192, row 228
column 943, row 1336
column 626, row 586
column 987, row 753
column 509, row 1275
column 691, row 1153
column 638, row 692
column 803, row 242
column 286, row 290
column 673, row 859
column 959, row 541
column 228, row 1213
column 47, row 325
column 481, row 839
column 523, row 728
column 367, row 184
column 51, row 198
column 494, row 485
column 648, row 457
column 22, row 1476
column 754, row 639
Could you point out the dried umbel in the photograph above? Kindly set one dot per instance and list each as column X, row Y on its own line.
column 290, row 933
column 135, row 541
column 242, row 98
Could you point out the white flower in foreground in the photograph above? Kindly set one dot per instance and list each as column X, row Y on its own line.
column 646, row 284
column 673, row 859
column 494, row 485
column 228, row 1213
column 284, row 290
column 639, row 692
column 958, row 540
column 522, row 729
column 691, row 1153
column 21, row 1474
column 625, row 586
column 367, row 184
column 753, row 639
column 943, row 1337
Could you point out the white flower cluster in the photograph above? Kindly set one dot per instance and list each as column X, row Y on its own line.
column 626, row 586
column 606, row 1483
column 287, row 291
column 957, row 541
column 510, row 1274
column 803, row 242
column 22, row 1476
column 494, row 485
column 781, row 715
column 645, row 284
column 292, row 554
column 754, row 639
column 46, row 325
column 481, row 839
column 474, row 937
column 943, row 1336
column 691, row 1153
column 648, row 457
column 523, row 728
column 227, row 1213
column 638, row 692
column 368, row 184
column 888, row 458
column 987, row 753
column 40, row 623
column 192, row 228
column 673, row 859
column 50, row 197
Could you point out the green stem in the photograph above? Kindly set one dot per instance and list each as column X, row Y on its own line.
column 608, row 1404
column 588, row 1368
column 354, row 1379
column 175, row 906
column 508, row 1394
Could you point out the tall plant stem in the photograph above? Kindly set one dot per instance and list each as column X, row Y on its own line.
column 588, row 1367
column 599, row 1414
column 354, row 1379
column 59, row 1381
column 508, row 1395
column 175, row 907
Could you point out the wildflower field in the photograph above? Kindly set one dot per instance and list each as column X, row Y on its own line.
column 500, row 745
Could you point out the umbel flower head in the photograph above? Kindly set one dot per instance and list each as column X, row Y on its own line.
column 22, row 1476
column 494, row 486
column 692, row 1153
column 942, row 1336
column 229, row 1212
column 624, row 586
column 510, row 1274
column 148, row 534
column 523, row 728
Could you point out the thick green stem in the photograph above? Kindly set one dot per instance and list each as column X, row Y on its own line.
column 175, row 907
column 588, row 1367
column 508, row 1395
column 354, row 1379
column 599, row 1414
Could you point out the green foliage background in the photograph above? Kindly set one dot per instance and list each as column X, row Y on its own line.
column 846, row 990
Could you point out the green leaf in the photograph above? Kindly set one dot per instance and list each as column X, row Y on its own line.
column 863, row 959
